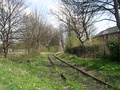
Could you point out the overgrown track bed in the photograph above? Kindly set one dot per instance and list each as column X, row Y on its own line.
column 98, row 81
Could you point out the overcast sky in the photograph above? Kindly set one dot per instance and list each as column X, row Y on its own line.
column 44, row 5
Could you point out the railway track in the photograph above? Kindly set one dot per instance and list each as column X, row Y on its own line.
column 81, row 71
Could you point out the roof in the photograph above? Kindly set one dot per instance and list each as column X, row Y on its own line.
column 109, row 31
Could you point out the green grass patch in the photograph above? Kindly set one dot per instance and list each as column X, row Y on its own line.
column 70, row 83
column 106, row 68
column 16, row 73
column 26, row 76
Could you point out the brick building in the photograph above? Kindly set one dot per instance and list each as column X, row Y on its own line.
column 111, row 33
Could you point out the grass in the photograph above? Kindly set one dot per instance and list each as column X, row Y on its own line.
column 24, row 76
column 70, row 82
column 19, row 74
column 109, row 69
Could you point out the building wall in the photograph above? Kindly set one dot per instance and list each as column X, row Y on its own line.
column 105, row 38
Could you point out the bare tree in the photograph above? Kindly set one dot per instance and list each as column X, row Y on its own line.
column 116, row 12
column 62, row 30
column 109, row 7
column 52, row 38
column 77, row 18
column 55, row 40
column 34, row 30
column 10, row 20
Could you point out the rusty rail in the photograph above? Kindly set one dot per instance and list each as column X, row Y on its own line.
column 87, row 74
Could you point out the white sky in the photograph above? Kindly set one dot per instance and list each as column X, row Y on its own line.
column 44, row 5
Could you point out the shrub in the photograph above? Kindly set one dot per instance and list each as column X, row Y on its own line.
column 81, row 51
column 103, row 55
column 75, row 50
column 113, row 47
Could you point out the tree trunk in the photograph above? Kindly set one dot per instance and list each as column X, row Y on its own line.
column 119, row 46
column 63, row 47
column 69, row 33
column 117, row 16
column 70, row 42
column 48, row 48
column 5, row 52
column 28, row 49
column 83, row 50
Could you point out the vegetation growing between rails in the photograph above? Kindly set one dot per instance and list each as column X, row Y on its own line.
column 107, row 68
column 69, row 82
column 30, row 72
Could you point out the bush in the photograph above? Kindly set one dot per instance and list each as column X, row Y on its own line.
column 75, row 50
column 80, row 51
column 103, row 55
column 113, row 47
